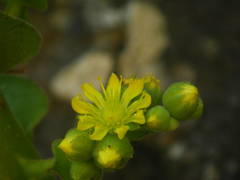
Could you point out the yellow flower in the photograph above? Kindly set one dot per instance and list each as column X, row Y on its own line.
column 113, row 109
column 151, row 86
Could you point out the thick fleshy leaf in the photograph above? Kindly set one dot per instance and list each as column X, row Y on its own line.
column 19, row 42
column 121, row 131
column 99, row 133
column 26, row 101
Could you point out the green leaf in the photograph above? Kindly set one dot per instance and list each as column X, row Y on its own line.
column 14, row 143
column 39, row 4
column 37, row 168
column 19, row 42
column 62, row 164
column 22, row 105
column 25, row 100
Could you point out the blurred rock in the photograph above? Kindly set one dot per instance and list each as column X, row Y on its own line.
column 60, row 19
column 210, row 172
column 87, row 68
column 101, row 15
column 146, row 41
column 183, row 72
column 176, row 151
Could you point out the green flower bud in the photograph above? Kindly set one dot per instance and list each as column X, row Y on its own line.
column 198, row 111
column 77, row 145
column 112, row 153
column 158, row 119
column 152, row 86
column 85, row 170
column 181, row 100
column 173, row 124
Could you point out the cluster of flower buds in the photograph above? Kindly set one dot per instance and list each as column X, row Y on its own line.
column 127, row 109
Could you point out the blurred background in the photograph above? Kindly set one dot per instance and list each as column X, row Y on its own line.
column 187, row 40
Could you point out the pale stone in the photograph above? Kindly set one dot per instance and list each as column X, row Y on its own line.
column 183, row 72
column 146, row 41
column 87, row 68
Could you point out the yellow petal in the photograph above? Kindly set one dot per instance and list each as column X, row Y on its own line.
column 82, row 107
column 99, row 133
column 121, row 131
column 134, row 89
column 102, row 86
column 93, row 95
column 138, row 117
column 143, row 102
column 113, row 90
column 128, row 80
column 85, row 122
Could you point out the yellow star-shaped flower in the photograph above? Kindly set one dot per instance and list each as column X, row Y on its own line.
column 112, row 110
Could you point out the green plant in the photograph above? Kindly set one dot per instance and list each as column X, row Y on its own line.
column 124, row 111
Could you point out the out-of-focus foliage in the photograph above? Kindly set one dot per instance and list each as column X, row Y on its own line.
column 39, row 4
column 19, row 41
column 14, row 143
column 25, row 100
column 22, row 103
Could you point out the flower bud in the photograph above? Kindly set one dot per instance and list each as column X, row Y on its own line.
column 198, row 111
column 85, row 170
column 158, row 119
column 112, row 153
column 77, row 145
column 173, row 124
column 152, row 86
column 181, row 100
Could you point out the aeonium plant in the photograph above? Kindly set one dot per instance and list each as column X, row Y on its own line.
column 110, row 119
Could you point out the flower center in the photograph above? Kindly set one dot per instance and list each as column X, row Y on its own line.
column 113, row 115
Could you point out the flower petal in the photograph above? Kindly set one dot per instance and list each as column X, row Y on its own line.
column 85, row 122
column 113, row 90
column 121, row 131
column 134, row 89
column 143, row 102
column 82, row 107
column 99, row 133
column 93, row 95
column 138, row 117
column 102, row 86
